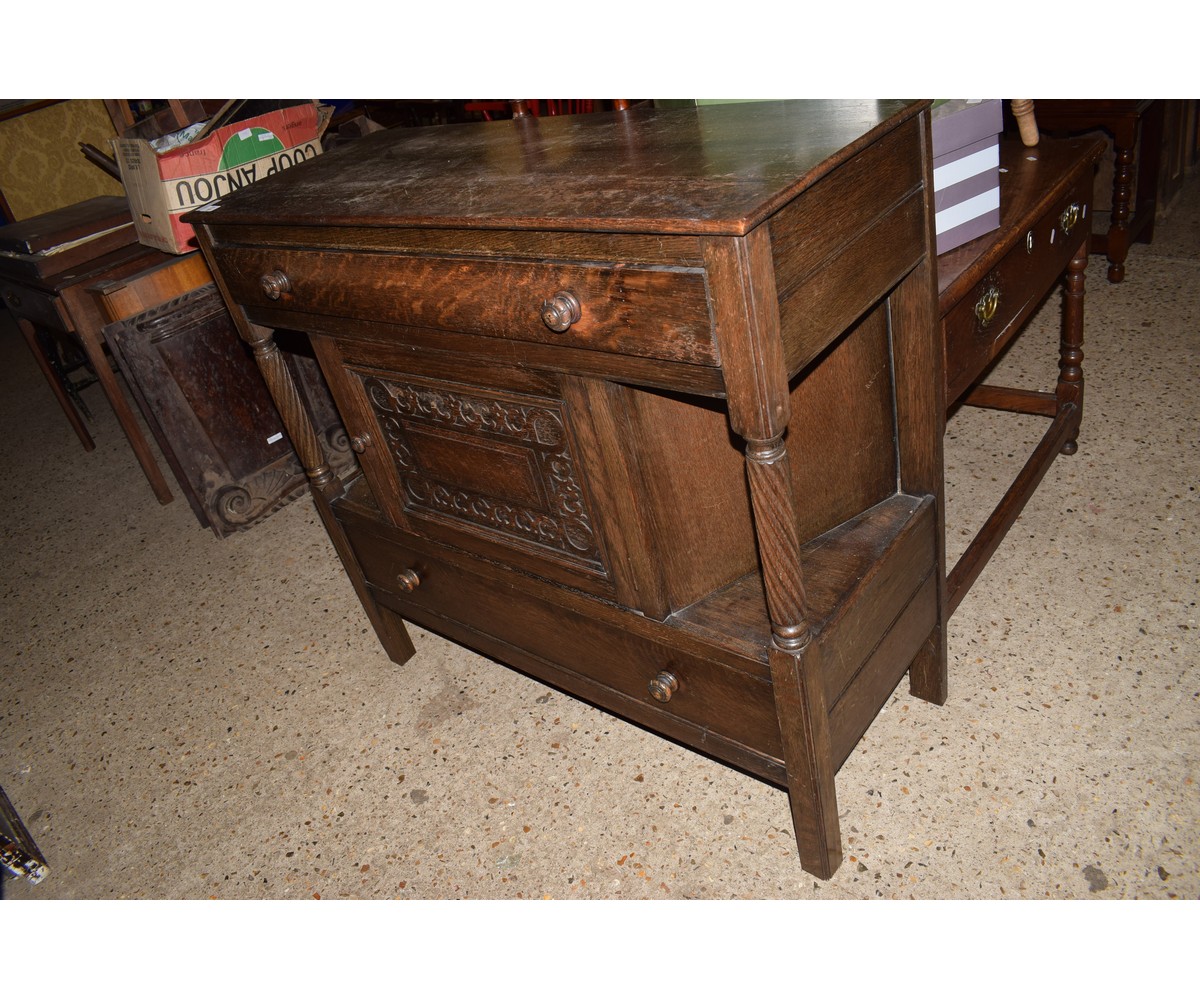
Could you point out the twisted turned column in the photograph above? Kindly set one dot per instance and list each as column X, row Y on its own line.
column 746, row 308
column 769, row 475
column 289, row 403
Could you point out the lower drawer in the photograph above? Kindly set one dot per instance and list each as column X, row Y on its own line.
column 640, row 671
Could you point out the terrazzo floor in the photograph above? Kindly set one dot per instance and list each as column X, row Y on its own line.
column 192, row 718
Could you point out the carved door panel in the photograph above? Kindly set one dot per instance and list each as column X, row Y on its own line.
column 496, row 469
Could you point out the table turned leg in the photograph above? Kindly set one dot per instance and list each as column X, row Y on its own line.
column 29, row 332
column 88, row 323
column 757, row 396
column 1069, row 390
column 1118, row 239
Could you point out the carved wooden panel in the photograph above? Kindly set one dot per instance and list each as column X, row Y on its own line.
column 206, row 404
column 501, row 462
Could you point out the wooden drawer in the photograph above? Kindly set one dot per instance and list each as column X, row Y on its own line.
column 988, row 316
column 654, row 312
column 441, row 590
column 39, row 307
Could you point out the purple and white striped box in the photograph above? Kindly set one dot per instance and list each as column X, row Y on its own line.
column 966, row 170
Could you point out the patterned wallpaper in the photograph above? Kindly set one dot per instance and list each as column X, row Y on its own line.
column 41, row 166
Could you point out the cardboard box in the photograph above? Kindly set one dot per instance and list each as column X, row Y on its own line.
column 163, row 185
column 966, row 170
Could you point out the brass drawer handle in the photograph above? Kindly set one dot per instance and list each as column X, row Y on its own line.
column 663, row 686
column 561, row 311
column 989, row 302
column 275, row 284
column 1069, row 217
column 408, row 580
column 360, row 443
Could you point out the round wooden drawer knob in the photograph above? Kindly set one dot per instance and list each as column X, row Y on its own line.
column 663, row 686
column 359, row 443
column 561, row 311
column 275, row 284
column 408, row 580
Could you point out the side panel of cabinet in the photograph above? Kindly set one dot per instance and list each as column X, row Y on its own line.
column 841, row 434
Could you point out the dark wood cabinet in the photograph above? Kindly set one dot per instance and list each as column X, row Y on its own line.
column 646, row 405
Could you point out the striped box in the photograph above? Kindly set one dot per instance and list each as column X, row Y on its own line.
column 966, row 170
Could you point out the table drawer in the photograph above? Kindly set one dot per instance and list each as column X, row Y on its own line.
column 987, row 317
column 429, row 588
column 658, row 312
column 39, row 307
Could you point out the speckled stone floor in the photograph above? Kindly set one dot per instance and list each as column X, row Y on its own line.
column 186, row 718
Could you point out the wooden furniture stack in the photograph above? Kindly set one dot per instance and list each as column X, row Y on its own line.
column 79, row 273
column 644, row 403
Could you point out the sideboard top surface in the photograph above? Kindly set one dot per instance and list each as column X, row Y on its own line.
column 715, row 170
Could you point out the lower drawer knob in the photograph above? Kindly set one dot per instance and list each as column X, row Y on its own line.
column 408, row 580
column 359, row 443
column 663, row 686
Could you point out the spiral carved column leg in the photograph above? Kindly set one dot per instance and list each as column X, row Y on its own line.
column 796, row 674
column 290, row 405
column 746, row 311
column 770, row 479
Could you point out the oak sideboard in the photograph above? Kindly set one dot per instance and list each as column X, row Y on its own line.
column 647, row 405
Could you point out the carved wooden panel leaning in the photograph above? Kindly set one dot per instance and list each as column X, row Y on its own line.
column 205, row 401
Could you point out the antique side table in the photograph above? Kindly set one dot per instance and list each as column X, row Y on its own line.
column 1136, row 127
column 989, row 288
